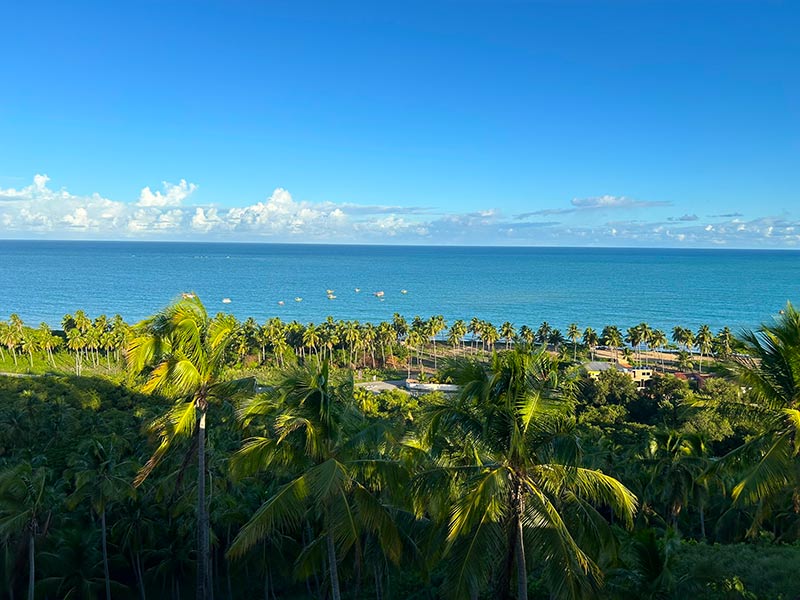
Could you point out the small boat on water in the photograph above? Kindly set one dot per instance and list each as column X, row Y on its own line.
column 403, row 291
column 298, row 299
column 226, row 300
column 358, row 290
column 187, row 295
column 329, row 292
column 331, row 297
column 280, row 302
column 379, row 294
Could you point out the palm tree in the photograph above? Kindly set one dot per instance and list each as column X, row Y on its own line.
column 515, row 461
column 23, row 501
column 723, row 343
column 658, row 339
column 76, row 341
column 612, row 336
column 507, row 333
column 591, row 340
column 456, row 333
column 633, row 336
column 573, row 335
column 48, row 342
column 311, row 337
column 313, row 435
column 769, row 369
column 543, row 333
column 526, row 333
column 489, row 334
column 101, row 478
column 10, row 338
column 475, row 330
column 435, row 326
column 182, row 351
column 704, row 339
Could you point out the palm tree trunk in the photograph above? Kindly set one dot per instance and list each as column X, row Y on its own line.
column 202, row 515
column 137, row 567
column 105, row 553
column 333, row 567
column 522, row 572
column 702, row 522
column 31, row 565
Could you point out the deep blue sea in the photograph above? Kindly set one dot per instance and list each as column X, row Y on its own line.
column 43, row 280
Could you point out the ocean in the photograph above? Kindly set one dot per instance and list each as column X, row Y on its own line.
column 43, row 280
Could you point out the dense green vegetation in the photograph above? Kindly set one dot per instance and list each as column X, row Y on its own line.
column 534, row 481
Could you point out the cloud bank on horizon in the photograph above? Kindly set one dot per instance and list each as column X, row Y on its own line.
column 38, row 211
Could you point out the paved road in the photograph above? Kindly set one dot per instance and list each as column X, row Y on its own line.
column 383, row 386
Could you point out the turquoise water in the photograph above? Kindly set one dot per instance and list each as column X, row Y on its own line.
column 41, row 281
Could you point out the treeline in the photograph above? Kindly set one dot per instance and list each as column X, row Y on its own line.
column 535, row 481
column 399, row 344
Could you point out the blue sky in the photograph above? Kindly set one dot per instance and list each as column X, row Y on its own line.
column 507, row 122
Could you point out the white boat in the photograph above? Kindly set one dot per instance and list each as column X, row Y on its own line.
column 358, row 290
column 379, row 294
column 226, row 300
column 280, row 303
column 403, row 291
column 331, row 297
column 298, row 299
column 329, row 292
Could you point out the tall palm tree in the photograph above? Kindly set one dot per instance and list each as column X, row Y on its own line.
column 612, row 336
column 591, row 340
column 456, row 333
column 723, row 343
column 102, row 478
column 543, row 333
column 769, row 369
column 573, row 335
column 658, row 340
column 23, row 509
column 312, row 434
column 514, row 458
column 181, row 352
column 526, row 333
column 704, row 339
column 633, row 336
column 508, row 333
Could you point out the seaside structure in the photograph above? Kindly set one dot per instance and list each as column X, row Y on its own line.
column 639, row 374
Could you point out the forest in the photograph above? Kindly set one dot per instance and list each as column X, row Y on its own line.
column 198, row 456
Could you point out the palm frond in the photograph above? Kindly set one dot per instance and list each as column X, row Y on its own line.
column 284, row 510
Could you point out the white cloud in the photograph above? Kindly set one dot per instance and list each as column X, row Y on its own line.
column 40, row 211
column 173, row 194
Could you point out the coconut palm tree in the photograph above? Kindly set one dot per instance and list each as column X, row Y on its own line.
column 573, row 335
column 508, row 333
column 611, row 336
column 590, row 340
column 181, row 352
column 435, row 326
column 527, row 335
column 658, row 340
column 102, row 478
column 769, row 369
column 704, row 340
column 311, row 337
column 723, row 343
column 515, row 461
column 633, row 336
column 23, row 509
column 456, row 333
column 543, row 333
column 312, row 435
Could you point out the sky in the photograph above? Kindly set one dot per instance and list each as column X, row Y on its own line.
column 503, row 122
